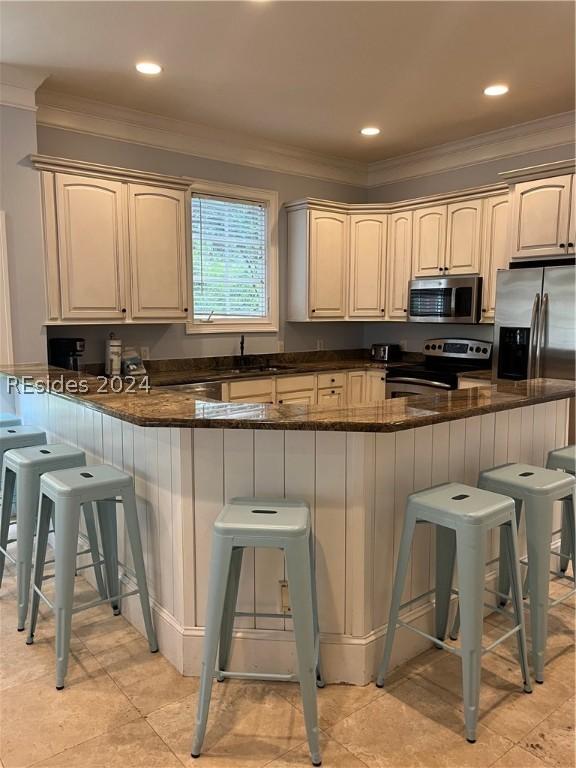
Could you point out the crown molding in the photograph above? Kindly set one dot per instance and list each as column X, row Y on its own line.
column 18, row 86
column 545, row 133
column 96, row 118
column 57, row 110
column 543, row 171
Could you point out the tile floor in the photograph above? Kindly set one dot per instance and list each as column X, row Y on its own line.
column 126, row 708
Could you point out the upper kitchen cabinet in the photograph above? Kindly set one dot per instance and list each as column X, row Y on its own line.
column 541, row 217
column 464, row 233
column 157, row 219
column 399, row 264
column 116, row 250
column 429, row 247
column 367, row 265
column 495, row 250
column 91, row 242
column 318, row 250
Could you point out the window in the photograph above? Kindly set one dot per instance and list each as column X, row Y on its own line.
column 233, row 259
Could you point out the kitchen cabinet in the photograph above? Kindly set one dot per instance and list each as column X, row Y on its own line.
column 463, row 237
column 249, row 391
column 332, row 398
column 572, row 221
column 306, row 397
column 356, row 387
column 367, row 265
column 331, row 380
column 541, row 217
column 91, row 243
column 296, row 390
column 157, row 219
column 495, row 250
column 429, row 244
column 375, row 386
column 328, row 262
column 399, row 264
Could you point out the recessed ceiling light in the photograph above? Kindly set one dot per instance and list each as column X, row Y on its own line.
column 148, row 68
column 496, row 90
column 370, row 131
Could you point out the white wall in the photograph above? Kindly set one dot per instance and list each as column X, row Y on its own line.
column 20, row 199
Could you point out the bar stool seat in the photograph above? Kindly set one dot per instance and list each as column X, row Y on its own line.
column 61, row 495
column 9, row 420
column 23, row 468
column 536, row 489
column 19, row 437
column 564, row 459
column 276, row 523
column 463, row 515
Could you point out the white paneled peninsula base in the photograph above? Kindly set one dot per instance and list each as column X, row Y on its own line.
column 356, row 483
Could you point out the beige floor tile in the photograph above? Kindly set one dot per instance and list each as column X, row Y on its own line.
column 100, row 630
column 553, row 739
column 38, row 721
column 518, row 758
column 416, row 724
column 334, row 755
column 148, row 679
column 249, row 725
column 335, row 702
column 135, row 745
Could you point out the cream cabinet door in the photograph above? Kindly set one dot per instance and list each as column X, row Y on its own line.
column 463, row 237
column 375, row 386
column 540, row 217
column 306, row 397
column 429, row 241
column 331, row 398
column 572, row 224
column 399, row 267
column 356, row 387
column 495, row 251
column 91, row 247
column 328, row 264
column 158, row 253
column 367, row 265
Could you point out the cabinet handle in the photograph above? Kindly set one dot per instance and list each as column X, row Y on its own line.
column 332, row 381
column 382, row 378
column 382, row 310
column 280, row 401
column 405, row 310
column 562, row 245
column 332, row 392
column 185, row 309
column 570, row 245
column 313, row 310
column 123, row 310
column 484, row 309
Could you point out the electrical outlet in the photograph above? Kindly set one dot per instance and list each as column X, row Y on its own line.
column 280, row 345
column 319, row 344
column 284, row 597
column 145, row 353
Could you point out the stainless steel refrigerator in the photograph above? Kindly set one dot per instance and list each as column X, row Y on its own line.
column 535, row 326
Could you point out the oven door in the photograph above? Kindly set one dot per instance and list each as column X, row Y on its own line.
column 405, row 386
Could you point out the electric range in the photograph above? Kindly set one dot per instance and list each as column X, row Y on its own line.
column 444, row 360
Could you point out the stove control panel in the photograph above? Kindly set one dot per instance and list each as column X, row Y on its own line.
column 459, row 349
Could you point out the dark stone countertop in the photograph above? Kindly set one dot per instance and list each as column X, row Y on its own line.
column 161, row 408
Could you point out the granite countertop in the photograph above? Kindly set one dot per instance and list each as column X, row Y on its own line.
column 485, row 375
column 161, row 408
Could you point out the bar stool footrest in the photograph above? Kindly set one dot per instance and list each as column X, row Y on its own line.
column 269, row 677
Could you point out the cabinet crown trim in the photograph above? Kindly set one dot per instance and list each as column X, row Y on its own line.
column 66, row 165
column 535, row 172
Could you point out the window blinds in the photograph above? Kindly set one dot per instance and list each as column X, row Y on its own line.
column 229, row 257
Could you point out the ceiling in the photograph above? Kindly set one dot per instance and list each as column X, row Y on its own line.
column 309, row 74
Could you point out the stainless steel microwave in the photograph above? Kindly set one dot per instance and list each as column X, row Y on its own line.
column 455, row 299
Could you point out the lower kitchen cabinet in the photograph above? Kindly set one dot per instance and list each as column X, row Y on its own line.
column 249, row 391
column 375, row 386
column 356, row 387
column 306, row 397
column 332, row 397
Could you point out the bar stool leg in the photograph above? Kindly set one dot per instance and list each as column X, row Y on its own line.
column 399, row 579
column 471, row 556
column 503, row 572
column 569, row 513
column 43, row 529
column 564, row 539
column 539, row 535
column 27, row 491
column 511, row 543
column 66, row 527
column 93, row 544
column 108, row 534
column 8, row 481
column 298, row 568
column 219, row 570
column 445, row 559
column 319, row 676
column 133, row 530
column 229, row 610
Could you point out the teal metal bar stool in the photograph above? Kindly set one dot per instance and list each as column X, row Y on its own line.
column 564, row 459
column 280, row 524
column 463, row 516
column 9, row 420
column 23, row 468
column 62, row 494
column 536, row 489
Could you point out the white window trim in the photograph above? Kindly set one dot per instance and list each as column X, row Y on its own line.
column 243, row 325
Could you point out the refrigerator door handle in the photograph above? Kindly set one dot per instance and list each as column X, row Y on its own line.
column 533, row 340
column 541, row 331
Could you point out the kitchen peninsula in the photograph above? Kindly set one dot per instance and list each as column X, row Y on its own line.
column 354, row 465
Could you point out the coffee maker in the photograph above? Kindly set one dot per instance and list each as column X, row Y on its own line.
column 66, row 352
